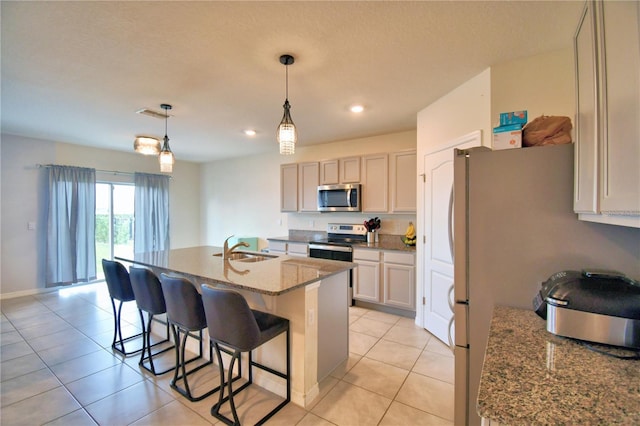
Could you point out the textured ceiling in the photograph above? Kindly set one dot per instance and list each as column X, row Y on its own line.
column 78, row 71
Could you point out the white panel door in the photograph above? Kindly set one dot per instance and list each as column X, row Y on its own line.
column 438, row 247
column 438, row 261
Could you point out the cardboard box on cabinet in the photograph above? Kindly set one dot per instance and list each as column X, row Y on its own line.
column 505, row 137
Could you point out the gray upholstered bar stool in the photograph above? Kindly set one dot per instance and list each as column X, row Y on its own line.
column 185, row 314
column 150, row 299
column 234, row 324
column 120, row 289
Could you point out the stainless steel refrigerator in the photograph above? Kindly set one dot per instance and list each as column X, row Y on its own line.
column 512, row 216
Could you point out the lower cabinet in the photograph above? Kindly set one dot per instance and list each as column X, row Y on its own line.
column 399, row 273
column 278, row 247
column 291, row 249
column 298, row 249
column 366, row 277
column 385, row 277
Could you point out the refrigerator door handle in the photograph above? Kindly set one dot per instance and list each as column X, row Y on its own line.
column 450, row 225
column 452, row 345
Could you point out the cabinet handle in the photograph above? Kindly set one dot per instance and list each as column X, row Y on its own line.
column 449, row 298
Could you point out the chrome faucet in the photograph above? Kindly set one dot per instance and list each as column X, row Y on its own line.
column 226, row 251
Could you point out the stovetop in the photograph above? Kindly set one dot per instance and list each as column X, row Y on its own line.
column 342, row 240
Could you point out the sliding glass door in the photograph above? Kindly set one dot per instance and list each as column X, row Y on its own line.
column 114, row 222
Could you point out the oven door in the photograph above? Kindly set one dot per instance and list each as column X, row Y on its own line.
column 344, row 253
column 325, row 251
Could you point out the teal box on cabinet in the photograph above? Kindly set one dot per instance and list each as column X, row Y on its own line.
column 514, row 117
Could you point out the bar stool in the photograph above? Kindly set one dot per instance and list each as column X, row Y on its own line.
column 150, row 299
column 119, row 286
column 233, row 324
column 185, row 314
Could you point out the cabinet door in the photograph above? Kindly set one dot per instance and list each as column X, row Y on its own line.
column 402, row 182
column 366, row 282
column 329, row 172
column 399, row 285
column 586, row 131
column 298, row 249
column 308, row 175
column 350, row 170
column 620, row 71
column 289, row 187
column 375, row 183
column 278, row 247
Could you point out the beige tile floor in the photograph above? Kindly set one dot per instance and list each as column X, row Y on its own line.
column 58, row 369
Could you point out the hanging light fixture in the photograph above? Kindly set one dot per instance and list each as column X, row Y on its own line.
column 166, row 156
column 146, row 145
column 287, row 134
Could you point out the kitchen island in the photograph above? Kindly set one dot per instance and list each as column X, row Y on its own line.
column 531, row 376
column 311, row 293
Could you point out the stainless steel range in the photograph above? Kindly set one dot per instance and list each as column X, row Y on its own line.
column 339, row 246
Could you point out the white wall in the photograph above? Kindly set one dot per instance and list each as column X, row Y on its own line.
column 242, row 196
column 23, row 250
column 542, row 85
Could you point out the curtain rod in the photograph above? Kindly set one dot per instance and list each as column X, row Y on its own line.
column 114, row 172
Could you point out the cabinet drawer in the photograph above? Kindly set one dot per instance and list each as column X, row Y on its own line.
column 280, row 246
column 372, row 255
column 399, row 258
column 298, row 249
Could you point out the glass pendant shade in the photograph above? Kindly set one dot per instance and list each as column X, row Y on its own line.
column 146, row 145
column 166, row 157
column 287, row 134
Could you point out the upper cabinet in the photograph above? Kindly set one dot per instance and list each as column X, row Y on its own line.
column 402, row 181
column 298, row 187
column 343, row 170
column 308, row 187
column 375, row 183
column 289, row 187
column 607, row 60
column 388, row 182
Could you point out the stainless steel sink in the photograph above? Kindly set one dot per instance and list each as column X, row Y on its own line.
column 244, row 256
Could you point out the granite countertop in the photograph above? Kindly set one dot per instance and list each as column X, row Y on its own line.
column 531, row 376
column 274, row 276
column 385, row 241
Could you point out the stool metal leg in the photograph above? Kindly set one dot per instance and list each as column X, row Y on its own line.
column 181, row 372
column 117, row 332
column 147, row 354
column 215, row 410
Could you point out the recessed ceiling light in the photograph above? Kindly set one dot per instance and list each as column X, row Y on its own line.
column 250, row 132
column 356, row 108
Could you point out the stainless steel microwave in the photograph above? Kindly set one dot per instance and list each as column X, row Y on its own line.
column 339, row 198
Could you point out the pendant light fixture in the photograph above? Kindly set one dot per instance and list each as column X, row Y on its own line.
column 146, row 145
column 287, row 134
column 166, row 156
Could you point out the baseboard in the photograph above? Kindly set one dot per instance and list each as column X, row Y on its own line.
column 38, row 291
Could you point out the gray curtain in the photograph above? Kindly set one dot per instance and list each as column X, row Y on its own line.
column 71, row 224
column 151, row 229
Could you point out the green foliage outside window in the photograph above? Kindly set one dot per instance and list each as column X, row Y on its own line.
column 122, row 229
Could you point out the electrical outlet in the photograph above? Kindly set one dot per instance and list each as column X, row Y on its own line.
column 31, row 226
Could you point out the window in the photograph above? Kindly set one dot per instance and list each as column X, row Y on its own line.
column 114, row 221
